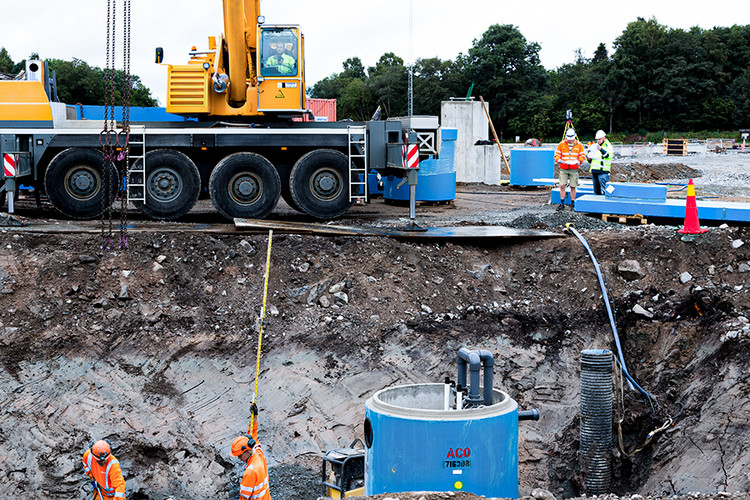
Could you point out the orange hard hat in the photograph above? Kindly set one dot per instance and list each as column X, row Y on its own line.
column 101, row 449
column 242, row 444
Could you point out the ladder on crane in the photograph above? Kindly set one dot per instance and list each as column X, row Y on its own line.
column 357, row 151
column 136, row 179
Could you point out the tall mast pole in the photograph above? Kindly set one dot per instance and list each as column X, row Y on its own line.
column 410, row 102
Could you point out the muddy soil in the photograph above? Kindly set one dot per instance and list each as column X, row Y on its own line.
column 155, row 349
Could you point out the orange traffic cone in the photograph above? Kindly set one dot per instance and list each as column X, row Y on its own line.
column 692, row 224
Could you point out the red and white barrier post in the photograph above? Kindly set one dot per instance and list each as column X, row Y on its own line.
column 10, row 170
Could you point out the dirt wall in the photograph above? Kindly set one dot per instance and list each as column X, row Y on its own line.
column 155, row 349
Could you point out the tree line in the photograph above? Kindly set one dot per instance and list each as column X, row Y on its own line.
column 79, row 83
column 657, row 79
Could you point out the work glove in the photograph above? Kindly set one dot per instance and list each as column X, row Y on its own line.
column 254, row 410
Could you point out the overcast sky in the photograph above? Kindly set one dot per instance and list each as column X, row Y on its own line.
column 337, row 29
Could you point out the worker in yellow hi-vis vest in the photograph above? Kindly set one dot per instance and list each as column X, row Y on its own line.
column 600, row 156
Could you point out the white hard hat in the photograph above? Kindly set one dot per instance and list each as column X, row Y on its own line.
column 570, row 134
column 600, row 134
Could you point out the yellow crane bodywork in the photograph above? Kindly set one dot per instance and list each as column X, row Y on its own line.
column 234, row 77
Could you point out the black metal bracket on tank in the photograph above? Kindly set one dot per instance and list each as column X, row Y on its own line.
column 476, row 360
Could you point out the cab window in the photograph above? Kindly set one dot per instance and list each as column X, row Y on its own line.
column 279, row 52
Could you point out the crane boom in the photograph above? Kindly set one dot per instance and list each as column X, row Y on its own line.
column 240, row 36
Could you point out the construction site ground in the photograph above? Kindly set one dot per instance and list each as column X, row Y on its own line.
column 155, row 347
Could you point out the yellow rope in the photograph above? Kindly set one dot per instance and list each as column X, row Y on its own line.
column 260, row 329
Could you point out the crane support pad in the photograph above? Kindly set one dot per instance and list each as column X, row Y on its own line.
column 442, row 233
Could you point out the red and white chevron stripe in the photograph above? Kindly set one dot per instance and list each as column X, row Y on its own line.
column 410, row 154
column 9, row 165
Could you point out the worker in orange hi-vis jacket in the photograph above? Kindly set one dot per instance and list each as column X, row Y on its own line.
column 569, row 155
column 254, row 485
column 101, row 466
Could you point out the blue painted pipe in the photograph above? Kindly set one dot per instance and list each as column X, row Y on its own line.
column 475, row 360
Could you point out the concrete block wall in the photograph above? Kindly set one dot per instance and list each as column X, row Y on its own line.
column 469, row 119
column 485, row 165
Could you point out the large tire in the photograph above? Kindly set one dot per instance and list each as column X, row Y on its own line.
column 319, row 184
column 244, row 185
column 286, row 195
column 173, row 184
column 73, row 182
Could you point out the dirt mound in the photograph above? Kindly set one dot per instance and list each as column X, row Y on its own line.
column 155, row 350
column 644, row 172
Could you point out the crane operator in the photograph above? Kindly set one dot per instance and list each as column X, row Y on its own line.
column 281, row 60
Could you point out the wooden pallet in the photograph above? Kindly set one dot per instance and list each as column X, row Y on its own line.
column 625, row 219
column 675, row 147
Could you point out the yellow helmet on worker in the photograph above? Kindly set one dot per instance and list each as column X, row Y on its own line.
column 241, row 444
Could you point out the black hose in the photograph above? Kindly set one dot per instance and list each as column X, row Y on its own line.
column 631, row 382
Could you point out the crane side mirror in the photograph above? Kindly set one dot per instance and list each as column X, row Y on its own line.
column 159, row 55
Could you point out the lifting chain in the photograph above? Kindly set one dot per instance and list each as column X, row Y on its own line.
column 125, row 155
column 115, row 146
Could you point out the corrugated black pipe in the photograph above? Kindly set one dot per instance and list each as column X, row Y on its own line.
column 597, row 391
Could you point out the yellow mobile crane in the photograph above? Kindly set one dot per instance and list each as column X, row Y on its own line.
column 254, row 77
column 251, row 71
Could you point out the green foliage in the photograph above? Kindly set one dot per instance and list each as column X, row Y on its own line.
column 6, row 62
column 435, row 81
column 387, row 81
column 356, row 101
column 79, row 83
column 656, row 79
column 507, row 72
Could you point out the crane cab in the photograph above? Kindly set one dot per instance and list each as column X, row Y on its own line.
column 241, row 76
column 280, row 71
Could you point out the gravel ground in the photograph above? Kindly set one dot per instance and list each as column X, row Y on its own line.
column 725, row 175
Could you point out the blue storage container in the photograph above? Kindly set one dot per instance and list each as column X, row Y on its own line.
column 532, row 163
column 436, row 180
column 413, row 444
column 374, row 184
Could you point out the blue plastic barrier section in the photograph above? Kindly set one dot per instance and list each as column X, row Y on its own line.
column 137, row 114
column 436, row 180
column 636, row 190
column 707, row 210
column 529, row 164
column 554, row 196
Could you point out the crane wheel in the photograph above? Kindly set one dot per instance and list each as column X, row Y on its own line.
column 73, row 182
column 319, row 184
column 244, row 185
column 173, row 184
